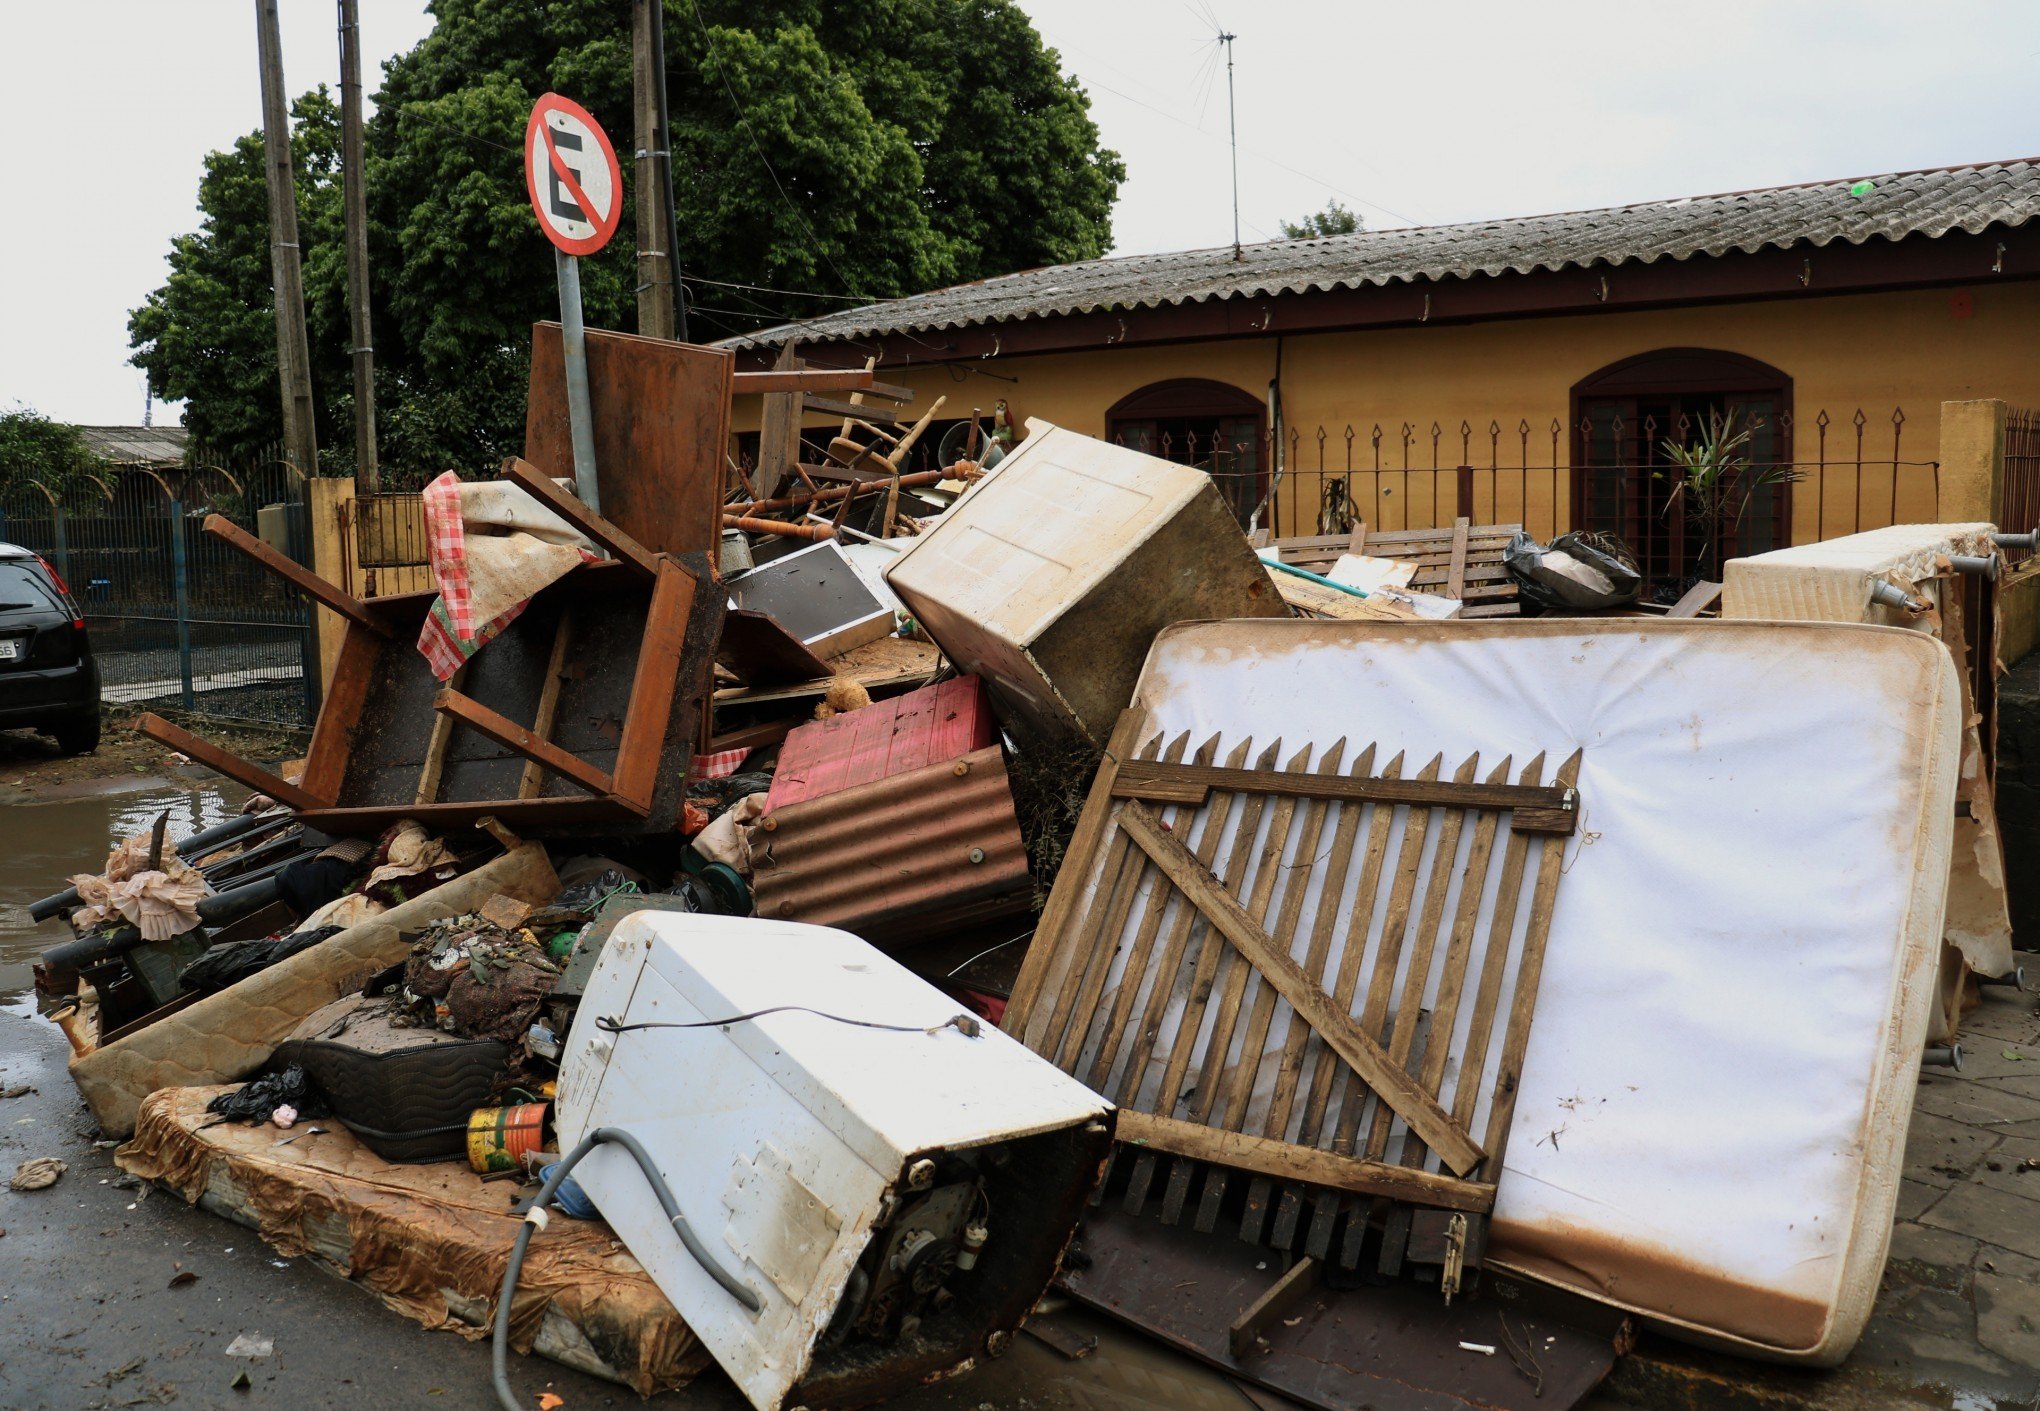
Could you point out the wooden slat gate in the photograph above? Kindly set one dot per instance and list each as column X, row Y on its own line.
column 1299, row 971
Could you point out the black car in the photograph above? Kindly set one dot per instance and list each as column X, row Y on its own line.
column 48, row 679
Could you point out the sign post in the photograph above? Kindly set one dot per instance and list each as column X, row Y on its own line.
column 576, row 188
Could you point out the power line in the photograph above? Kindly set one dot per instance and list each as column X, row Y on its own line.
column 715, row 56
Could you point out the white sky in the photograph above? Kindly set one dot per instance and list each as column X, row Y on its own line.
column 1418, row 112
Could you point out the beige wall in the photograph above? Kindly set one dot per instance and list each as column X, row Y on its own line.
column 1874, row 352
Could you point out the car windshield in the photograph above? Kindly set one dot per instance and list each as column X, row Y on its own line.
column 22, row 585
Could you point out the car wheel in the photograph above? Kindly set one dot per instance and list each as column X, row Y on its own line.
column 79, row 736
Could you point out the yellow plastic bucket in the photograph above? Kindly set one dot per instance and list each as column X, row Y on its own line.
column 499, row 1138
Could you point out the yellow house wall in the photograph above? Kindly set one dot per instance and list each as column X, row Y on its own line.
column 1873, row 352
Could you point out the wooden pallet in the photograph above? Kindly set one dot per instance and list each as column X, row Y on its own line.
column 1239, row 954
column 1464, row 561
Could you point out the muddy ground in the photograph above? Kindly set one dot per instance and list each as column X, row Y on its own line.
column 32, row 768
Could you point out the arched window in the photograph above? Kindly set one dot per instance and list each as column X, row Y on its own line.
column 1623, row 483
column 1210, row 425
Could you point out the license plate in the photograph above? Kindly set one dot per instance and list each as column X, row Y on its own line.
column 10, row 649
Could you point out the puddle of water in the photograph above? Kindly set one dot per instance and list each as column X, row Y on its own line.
column 41, row 844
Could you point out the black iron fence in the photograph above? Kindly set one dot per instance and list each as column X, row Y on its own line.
column 2019, row 502
column 1795, row 481
column 176, row 618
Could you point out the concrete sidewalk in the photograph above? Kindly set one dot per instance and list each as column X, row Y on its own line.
column 1957, row 1324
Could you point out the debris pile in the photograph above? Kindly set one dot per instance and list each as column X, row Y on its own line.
column 870, row 893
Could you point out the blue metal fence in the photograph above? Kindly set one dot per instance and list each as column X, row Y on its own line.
column 176, row 617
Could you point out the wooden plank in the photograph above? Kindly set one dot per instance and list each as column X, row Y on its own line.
column 661, row 413
column 1494, row 963
column 1696, row 600
column 241, row 771
column 1293, row 1288
column 1452, row 975
column 1295, row 887
column 1366, row 1057
column 1074, row 875
column 548, row 703
column 654, row 686
column 1100, row 940
column 594, row 527
column 370, row 819
column 1543, row 810
column 779, row 428
column 1209, row 828
column 435, row 748
column 1317, row 954
column 1417, row 974
column 1325, row 1066
column 1455, row 575
column 354, row 672
column 1212, row 956
column 818, row 379
column 1214, row 817
column 1215, row 1081
column 327, row 595
column 1374, row 1009
column 1140, row 953
column 1529, row 971
column 512, row 736
column 1287, row 1162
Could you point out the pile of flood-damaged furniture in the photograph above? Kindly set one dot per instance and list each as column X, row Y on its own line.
column 788, row 921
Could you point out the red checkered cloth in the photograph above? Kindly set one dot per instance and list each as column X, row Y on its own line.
column 450, row 635
column 720, row 765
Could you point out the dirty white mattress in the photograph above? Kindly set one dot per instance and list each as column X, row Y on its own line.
column 1739, row 970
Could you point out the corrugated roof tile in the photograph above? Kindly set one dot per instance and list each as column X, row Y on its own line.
column 1895, row 206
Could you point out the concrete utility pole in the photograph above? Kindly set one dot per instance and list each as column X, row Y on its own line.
column 353, row 176
column 655, row 302
column 293, row 355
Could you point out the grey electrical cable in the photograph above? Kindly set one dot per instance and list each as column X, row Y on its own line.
column 499, row 1360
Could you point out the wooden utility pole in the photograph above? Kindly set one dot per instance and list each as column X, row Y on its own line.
column 353, row 176
column 655, row 302
column 293, row 355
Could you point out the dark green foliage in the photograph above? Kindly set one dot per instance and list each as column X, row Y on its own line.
column 1334, row 219
column 915, row 143
column 32, row 447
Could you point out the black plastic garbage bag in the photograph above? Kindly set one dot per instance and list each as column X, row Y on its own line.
column 237, row 960
column 258, row 1101
column 1576, row 573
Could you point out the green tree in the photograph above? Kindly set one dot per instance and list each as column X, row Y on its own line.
column 32, row 447
column 848, row 149
column 1334, row 219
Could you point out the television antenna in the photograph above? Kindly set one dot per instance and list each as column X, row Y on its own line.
column 1232, row 123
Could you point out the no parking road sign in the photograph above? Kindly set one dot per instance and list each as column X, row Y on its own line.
column 570, row 170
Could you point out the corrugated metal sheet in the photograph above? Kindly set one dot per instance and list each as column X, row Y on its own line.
column 898, row 859
column 930, row 726
column 1892, row 207
column 136, row 445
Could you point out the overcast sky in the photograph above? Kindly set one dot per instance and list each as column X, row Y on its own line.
column 1409, row 113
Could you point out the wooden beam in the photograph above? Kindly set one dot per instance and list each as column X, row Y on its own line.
column 654, row 686
column 233, row 766
column 354, row 675
column 1538, row 809
column 1284, row 1294
column 367, row 820
column 512, row 736
column 820, row 379
column 547, row 491
column 327, row 595
column 1286, row 1162
column 434, row 767
column 809, row 402
column 1333, row 1024
column 548, row 704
